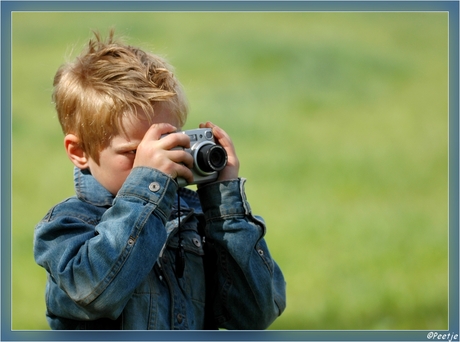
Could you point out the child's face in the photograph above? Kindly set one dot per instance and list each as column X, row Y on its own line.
column 116, row 160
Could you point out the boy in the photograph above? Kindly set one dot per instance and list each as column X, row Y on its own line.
column 132, row 249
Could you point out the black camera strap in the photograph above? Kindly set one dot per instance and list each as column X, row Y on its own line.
column 180, row 253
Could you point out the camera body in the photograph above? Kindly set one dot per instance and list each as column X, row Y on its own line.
column 208, row 157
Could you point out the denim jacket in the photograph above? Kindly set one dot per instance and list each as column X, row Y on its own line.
column 111, row 261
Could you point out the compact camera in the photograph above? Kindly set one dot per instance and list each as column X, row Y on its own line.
column 208, row 157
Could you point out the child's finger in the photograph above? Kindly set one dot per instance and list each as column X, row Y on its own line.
column 222, row 137
column 173, row 140
column 157, row 130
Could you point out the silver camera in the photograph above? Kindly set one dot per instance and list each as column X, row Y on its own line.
column 208, row 157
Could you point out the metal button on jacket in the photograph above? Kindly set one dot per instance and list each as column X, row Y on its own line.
column 154, row 186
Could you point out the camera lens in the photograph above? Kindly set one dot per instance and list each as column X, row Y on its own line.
column 211, row 158
column 217, row 158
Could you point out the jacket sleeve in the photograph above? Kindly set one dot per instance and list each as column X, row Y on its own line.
column 249, row 287
column 99, row 264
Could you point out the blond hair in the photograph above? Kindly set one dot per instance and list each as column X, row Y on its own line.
column 108, row 81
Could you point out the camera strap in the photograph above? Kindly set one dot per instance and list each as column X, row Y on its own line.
column 180, row 253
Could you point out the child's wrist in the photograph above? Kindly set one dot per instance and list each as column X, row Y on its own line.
column 223, row 198
column 150, row 185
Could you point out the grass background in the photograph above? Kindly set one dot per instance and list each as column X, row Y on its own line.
column 339, row 120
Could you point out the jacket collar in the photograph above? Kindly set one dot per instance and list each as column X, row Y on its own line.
column 88, row 189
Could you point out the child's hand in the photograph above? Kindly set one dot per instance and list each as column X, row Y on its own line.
column 223, row 139
column 160, row 153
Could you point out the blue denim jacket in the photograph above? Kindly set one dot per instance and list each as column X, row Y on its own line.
column 110, row 260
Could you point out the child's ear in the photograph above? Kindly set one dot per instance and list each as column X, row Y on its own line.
column 75, row 152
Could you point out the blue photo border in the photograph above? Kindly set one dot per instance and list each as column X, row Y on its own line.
column 7, row 7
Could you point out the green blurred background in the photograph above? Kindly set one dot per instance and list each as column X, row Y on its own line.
column 340, row 121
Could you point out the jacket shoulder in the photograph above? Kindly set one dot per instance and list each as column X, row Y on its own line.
column 75, row 208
